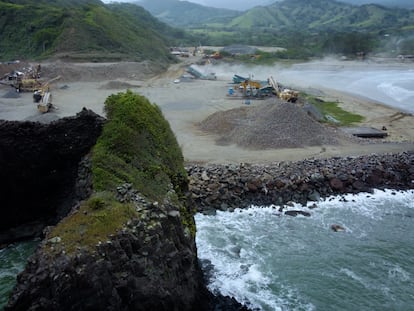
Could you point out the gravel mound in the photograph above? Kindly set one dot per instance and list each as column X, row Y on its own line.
column 270, row 126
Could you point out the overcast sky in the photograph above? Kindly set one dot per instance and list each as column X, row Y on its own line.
column 246, row 4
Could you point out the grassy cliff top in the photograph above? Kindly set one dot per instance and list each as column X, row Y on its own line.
column 138, row 147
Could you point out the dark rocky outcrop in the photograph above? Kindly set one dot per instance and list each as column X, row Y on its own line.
column 226, row 187
column 130, row 245
column 149, row 264
column 38, row 170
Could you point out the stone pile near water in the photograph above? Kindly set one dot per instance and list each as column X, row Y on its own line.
column 226, row 187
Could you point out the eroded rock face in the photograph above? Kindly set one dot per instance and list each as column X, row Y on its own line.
column 39, row 166
column 150, row 264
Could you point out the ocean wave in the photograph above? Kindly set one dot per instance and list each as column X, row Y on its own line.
column 271, row 261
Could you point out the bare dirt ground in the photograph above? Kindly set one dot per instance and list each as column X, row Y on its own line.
column 186, row 104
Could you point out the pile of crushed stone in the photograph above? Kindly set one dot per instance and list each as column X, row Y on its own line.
column 270, row 126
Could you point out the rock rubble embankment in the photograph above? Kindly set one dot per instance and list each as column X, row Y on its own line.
column 226, row 187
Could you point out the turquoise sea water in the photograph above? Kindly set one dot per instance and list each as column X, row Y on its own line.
column 12, row 261
column 276, row 262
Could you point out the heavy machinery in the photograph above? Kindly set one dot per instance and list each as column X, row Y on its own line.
column 23, row 81
column 260, row 89
column 283, row 93
column 20, row 82
column 199, row 75
column 250, row 88
column 239, row 79
column 43, row 97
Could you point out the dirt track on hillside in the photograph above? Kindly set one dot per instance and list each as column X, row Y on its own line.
column 187, row 104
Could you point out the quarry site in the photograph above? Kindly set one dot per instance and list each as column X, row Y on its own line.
column 210, row 125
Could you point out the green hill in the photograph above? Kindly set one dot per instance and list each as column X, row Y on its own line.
column 187, row 14
column 324, row 15
column 82, row 29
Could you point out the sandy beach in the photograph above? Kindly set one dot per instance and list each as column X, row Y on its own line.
column 185, row 104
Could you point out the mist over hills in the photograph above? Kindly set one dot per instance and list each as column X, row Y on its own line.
column 286, row 14
column 96, row 31
column 246, row 5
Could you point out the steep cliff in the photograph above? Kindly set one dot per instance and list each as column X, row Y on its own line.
column 39, row 166
column 131, row 245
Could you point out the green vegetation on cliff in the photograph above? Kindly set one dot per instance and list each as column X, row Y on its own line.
column 137, row 147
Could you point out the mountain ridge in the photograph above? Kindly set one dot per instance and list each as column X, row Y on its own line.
column 82, row 29
column 286, row 14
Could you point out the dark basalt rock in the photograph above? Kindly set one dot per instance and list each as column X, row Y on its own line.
column 150, row 263
column 240, row 186
column 39, row 170
column 297, row 213
column 142, row 267
column 337, row 228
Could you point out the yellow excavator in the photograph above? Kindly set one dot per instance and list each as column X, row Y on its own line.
column 43, row 97
column 283, row 93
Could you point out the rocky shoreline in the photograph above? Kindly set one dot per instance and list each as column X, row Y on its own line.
column 150, row 260
column 226, row 187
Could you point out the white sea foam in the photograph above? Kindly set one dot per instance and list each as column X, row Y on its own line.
column 399, row 274
column 258, row 253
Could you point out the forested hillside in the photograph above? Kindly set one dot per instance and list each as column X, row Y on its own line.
column 310, row 28
column 82, row 29
column 324, row 15
column 184, row 13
